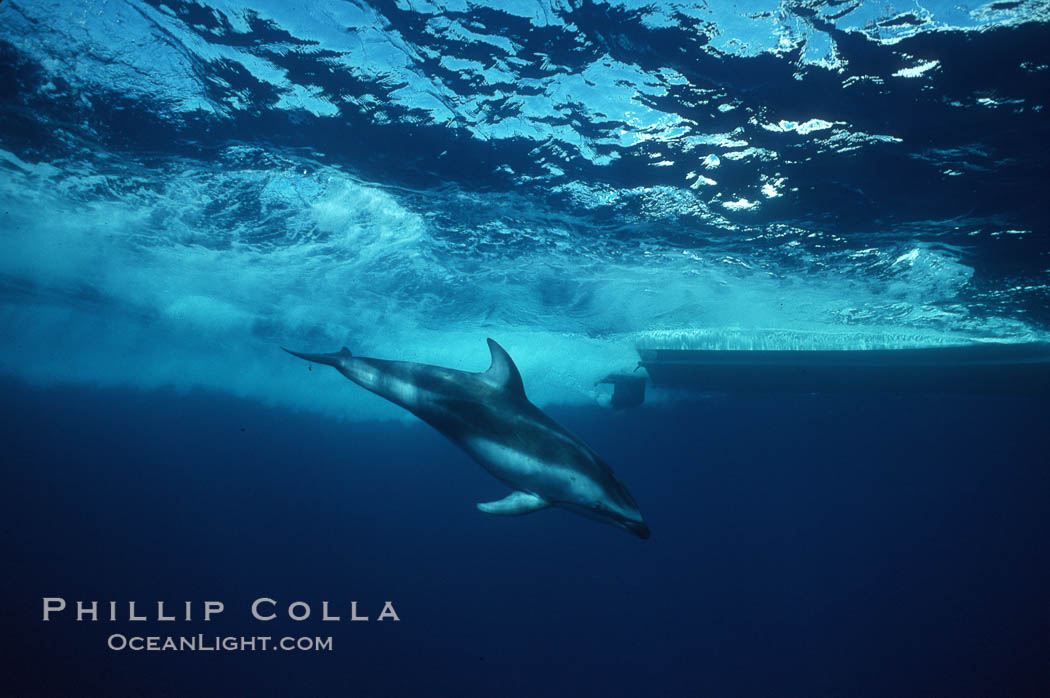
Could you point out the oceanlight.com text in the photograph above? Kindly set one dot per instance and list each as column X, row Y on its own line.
column 216, row 643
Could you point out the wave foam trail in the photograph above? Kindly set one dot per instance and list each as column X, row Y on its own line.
column 186, row 186
column 169, row 283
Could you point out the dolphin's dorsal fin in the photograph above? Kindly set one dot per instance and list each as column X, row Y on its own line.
column 514, row 504
column 502, row 372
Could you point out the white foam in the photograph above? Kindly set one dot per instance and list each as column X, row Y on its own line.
column 740, row 204
column 195, row 277
column 916, row 70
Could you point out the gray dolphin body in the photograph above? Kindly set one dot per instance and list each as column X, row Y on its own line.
column 488, row 416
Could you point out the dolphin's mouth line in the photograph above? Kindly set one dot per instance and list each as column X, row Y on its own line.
column 637, row 527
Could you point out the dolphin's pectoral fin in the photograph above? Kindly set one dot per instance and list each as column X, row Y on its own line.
column 515, row 504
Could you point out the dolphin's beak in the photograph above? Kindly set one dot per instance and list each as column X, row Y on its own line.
column 638, row 528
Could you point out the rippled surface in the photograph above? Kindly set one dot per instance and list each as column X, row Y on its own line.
column 187, row 185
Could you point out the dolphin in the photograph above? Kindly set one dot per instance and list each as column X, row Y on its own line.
column 488, row 416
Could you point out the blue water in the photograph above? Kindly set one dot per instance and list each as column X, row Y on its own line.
column 186, row 186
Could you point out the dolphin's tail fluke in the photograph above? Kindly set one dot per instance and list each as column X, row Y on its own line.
column 327, row 359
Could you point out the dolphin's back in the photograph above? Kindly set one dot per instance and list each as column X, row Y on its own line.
column 496, row 424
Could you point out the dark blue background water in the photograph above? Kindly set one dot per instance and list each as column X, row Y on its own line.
column 801, row 546
column 187, row 185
